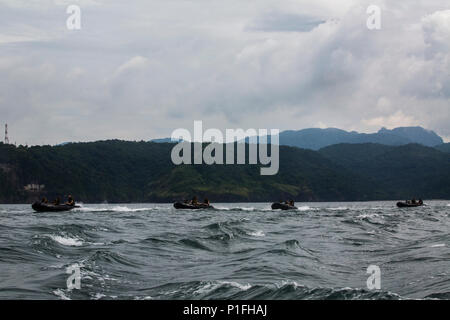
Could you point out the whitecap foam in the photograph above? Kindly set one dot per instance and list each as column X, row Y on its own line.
column 258, row 233
column 211, row 286
column 243, row 287
column 438, row 245
column 206, row 288
column 61, row 294
column 304, row 208
column 99, row 296
column 126, row 209
column 67, row 241
column 114, row 209
column 88, row 209
column 367, row 215
column 288, row 283
column 338, row 208
column 143, row 298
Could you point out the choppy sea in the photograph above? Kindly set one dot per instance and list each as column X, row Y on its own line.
column 237, row 251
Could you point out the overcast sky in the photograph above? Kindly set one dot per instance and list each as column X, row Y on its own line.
column 139, row 69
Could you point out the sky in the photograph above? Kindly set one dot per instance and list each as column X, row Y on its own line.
column 139, row 69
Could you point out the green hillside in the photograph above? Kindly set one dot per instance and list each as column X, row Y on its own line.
column 121, row 171
column 445, row 147
column 404, row 171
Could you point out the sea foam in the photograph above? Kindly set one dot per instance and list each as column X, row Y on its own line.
column 258, row 233
column 66, row 241
column 211, row 286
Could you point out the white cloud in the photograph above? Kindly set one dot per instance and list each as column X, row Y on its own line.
column 398, row 119
column 436, row 27
column 135, row 63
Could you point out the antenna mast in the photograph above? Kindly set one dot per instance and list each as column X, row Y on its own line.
column 6, row 134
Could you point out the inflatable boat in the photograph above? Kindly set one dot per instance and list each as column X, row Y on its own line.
column 181, row 205
column 401, row 204
column 282, row 206
column 48, row 207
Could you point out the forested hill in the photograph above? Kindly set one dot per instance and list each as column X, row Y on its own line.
column 413, row 169
column 445, row 147
column 121, row 171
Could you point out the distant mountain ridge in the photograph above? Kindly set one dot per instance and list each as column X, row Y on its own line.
column 316, row 138
column 164, row 140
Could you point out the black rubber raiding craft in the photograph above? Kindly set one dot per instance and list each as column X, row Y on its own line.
column 282, row 206
column 408, row 205
column 181, row 205
column 48, row 207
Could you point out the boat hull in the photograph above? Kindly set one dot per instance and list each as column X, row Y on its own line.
column 181, row 205
column 282, row 206
column 408, row 205
column 46, row 207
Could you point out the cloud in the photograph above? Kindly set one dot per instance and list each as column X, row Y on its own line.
column 398, row 119
column 139, row 71
column 135, row 63
column 436, row 27
column 284, row 22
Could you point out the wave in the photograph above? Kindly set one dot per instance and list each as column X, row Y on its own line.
column 234, row 290
column 209, row 286
column 115, row 209
column 442, row 296
column 232, row 229
column 248, row 209
column 21, row 255
column 218, row 289
column 224, row 254
column 62, row 294
column 67, row 241
column 367, row 215
column 192, row 243
column 219, row 226
column 222, row 208
column 110, row 257
column 126, row 209
column 258, row 233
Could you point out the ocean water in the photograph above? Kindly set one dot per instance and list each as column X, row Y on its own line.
column 238, row 251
